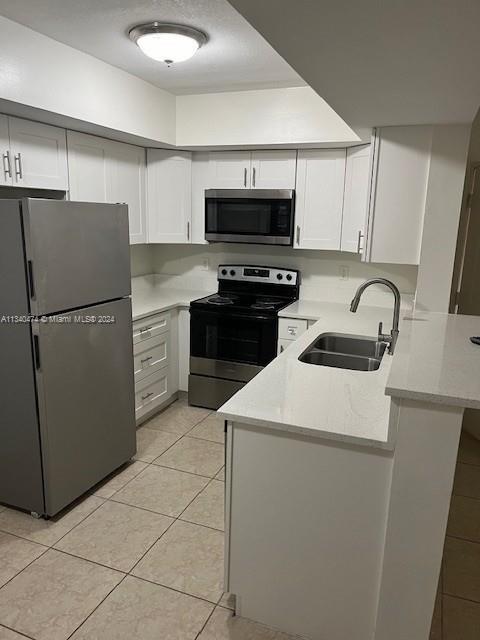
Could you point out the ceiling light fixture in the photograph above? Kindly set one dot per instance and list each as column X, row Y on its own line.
column 167, row 43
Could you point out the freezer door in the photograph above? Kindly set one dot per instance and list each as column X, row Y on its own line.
column 21, row 482
column 77, row 253
column 86, row 398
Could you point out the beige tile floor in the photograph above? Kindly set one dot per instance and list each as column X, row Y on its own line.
column 141, row 557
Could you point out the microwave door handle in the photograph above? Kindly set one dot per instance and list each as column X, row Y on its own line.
column 245, row 177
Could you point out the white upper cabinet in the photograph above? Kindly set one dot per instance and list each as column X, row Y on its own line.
column 319, row 198
column 169, row 206
column 88, row 167
column 355, row 203
column 399, row 189
column 6, row 174
column 38, row 155
column 230, row 170
column 252, row 169
column 105, row 171
column 126, row 183
column 273, row 169
column 200, row 182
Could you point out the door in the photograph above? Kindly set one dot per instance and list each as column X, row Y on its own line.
column 86, row 398
column 39, row 155
column 230, row 170
column 169, row 203
column 320, row 184
column 357, row 183
column 126, row 183
column 233, row 337
column 21, row 482
column 77, row 252
column 274, row 169
column 468, row 298
column 6, row 173
column 87, row 167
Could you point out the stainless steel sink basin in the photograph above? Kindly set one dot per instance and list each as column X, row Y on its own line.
column 344, row 351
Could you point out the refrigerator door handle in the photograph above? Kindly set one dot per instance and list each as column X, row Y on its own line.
column 31, row 284
column 36, row 349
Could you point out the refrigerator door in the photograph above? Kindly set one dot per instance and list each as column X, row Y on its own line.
column 85, row 397
column 77, row 253
column 21, row 482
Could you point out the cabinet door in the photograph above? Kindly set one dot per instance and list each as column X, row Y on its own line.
column 87, row 167
column 200, row 182
column 230, row 170
column 169, row 196
column 397, row 206
column 7, row 168
column 274, row 169
column 39, row 155
column 126, row 183
column 320, row 182
column 357, row 183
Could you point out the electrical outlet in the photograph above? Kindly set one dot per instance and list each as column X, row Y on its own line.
column 344, row 272
column 205, row 264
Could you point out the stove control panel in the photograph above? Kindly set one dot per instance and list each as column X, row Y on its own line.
column 252, row 273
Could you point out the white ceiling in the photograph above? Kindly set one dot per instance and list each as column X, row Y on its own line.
column 236, row 56
column 380, row 62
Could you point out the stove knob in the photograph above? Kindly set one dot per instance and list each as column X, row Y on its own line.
column 232, row 272
column 279, row 276
column 224, row 272
column 289, row 276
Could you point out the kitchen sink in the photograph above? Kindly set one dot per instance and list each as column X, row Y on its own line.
column 358, row 353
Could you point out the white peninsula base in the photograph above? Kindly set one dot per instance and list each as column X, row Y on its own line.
column 335, row 541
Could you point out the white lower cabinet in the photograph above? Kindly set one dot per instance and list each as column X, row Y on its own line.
column 155, row 355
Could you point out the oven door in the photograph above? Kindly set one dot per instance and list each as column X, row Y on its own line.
column 230, row 337
column 260, row 216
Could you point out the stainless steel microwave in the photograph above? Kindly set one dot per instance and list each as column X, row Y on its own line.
column 255, row 216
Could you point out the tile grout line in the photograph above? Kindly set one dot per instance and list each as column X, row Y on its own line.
column 20, row 633
column 451, row 595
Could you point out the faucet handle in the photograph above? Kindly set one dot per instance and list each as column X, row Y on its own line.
column 380, row 331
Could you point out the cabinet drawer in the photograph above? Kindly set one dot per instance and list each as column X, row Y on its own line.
column 151, row 355
column 151, row 391
column 151, row 326
column 290, row 328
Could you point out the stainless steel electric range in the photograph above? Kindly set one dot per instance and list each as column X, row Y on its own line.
column 233, row 333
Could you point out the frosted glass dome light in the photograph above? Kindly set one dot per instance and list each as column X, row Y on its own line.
column 167, row 43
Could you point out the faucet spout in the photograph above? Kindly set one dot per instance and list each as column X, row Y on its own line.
column 393, row 336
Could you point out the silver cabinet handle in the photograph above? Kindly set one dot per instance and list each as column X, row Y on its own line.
column 7, row 167
column 147, row 395
column 281, row 348
column 144, row 329
column 298, row 234
column 254, row 172
column 18, row 166
column 359, row 242
column 245, row 177
column 146, row 359
column 188, row 230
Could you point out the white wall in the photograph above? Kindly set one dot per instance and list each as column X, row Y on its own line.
column 43, row 73
column 141, row 259
column 269, row 117
column 183, row 266
column 442, row 214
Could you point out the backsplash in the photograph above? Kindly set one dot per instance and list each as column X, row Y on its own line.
column 326, row 275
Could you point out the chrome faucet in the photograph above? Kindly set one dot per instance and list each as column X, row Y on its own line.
column 391, row 338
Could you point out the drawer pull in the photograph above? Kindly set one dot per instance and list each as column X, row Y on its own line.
column 147, row 395
column 146, row 359
column 292, row 330
column 145, row 329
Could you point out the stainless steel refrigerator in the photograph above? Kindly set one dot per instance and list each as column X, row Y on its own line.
column 67, row 416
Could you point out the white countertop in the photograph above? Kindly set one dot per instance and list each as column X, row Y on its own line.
column 156, row 298
column 435, row 361
column 336, row 404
